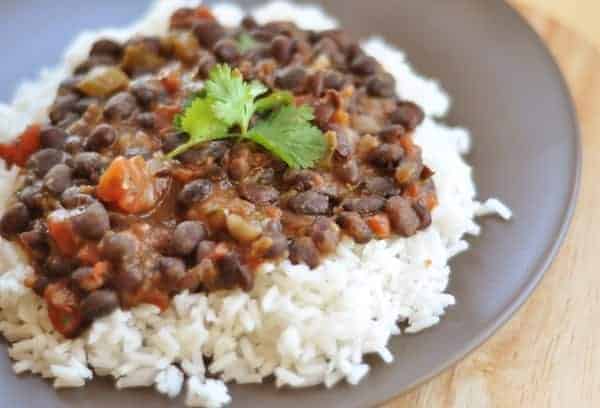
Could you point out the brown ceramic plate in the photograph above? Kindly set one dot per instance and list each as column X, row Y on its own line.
column 506, row 89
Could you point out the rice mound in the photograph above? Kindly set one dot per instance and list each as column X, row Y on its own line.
column 302, row 326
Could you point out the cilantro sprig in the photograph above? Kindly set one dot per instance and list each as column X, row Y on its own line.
column 227, row 103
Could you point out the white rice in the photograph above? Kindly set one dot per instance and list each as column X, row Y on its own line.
column 303, row 326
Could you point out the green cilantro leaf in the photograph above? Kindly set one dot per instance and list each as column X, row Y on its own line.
column 234, row 98
column 288, row 134
column 246, row 42
column 228, row 101
column 201, row 124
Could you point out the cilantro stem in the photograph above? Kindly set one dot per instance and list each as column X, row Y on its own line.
column 274, row 100
column 181, row 149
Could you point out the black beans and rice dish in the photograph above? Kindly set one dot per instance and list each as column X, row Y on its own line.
column 107, row 219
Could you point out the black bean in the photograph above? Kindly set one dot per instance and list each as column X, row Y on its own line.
column 171, row 270
column 54, row 137
column 364, row 205
column 144, row 93
column 187, row 236
column 58, row 178
column 73, row 144
column 408, row 114
column 72, row 197
column 257, row 193
column 172, row 140
column 43, row 160
column 279, row 244
column 403, row 218
column 194, row 192
column 248, row 22
column 383, row 186
column 120, row 106
column 40, row 284
column 424, row 214
column 234, row 274
column 32, row 196
column 226, row 51
column 325, row 234
column 383, row 86
column 98, row 304
column 348, row 171
column 130, row 277
column 304, row 250
column 282, row 49
column 102, row 136
column 386, row 155
column 208, row 32
column 391, row 134
column 204, row 249
column 36, row 241
column 206, row 63
column 316, row 84
column 57, row 266
column 333, row 80
column 92, row 222
column 292, row 78
column 302, row 180
column 309, row 202
column 354, row 225
column 105, row 46
column 323, row 113
column 364, row 65
column 89, row 165
column 341, row 37
column 15, row 219
column 145, row 120
column 118, row 246
column 238, row 166
column 62, row 107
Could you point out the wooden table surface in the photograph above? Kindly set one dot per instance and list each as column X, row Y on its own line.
column 548, row 355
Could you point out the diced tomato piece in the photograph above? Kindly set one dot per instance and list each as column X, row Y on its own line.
column 341, row 117
column 171, row 82
column 431, row 201
column 18, row 151
column 410, row 148
column 412, row 190
column 63, row 308
column 164, row 115
column 128, row 184
column 204, row 13
column 89, row 253
column 273, row 212
column 380, row 225
column 186, row 18
column 157, row 298
column 61, row 230
column 185, row 174
column 97, row 278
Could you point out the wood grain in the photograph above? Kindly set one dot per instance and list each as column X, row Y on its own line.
column 548, row 355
